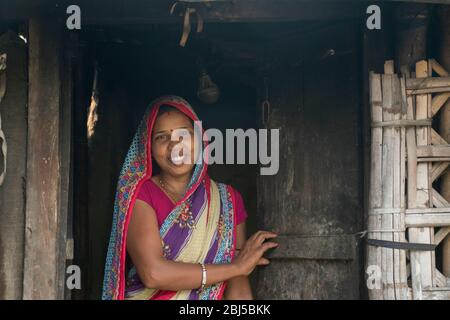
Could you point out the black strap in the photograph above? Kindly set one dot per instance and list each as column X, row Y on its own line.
column 401, row 245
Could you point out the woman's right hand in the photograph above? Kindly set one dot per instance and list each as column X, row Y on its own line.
column 253, row 250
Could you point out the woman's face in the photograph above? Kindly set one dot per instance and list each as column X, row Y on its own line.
column 170, row 155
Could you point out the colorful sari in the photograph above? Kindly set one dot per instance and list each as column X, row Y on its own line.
column 200, row 228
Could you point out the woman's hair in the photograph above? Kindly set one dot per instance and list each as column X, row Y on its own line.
column 164, row 109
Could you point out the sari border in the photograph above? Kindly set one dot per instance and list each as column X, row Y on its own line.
column 233, row 249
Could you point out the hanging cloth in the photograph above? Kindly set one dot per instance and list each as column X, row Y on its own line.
column 187, row 21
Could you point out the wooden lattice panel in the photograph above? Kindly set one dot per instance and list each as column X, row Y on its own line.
column 403, row 202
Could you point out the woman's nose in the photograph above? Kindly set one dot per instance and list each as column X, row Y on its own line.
column 177, row 145
column 172, row 143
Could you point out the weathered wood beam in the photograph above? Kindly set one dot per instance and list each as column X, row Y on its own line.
column 436, row 139
column 441, row 280
column 438, row 101
column 441, row 234
column 428, row 210
column 427, row 83
column 418, row 220
column 438, row 68
column 436, row 294
column 439, row 151
column 439, row 201
column 43, row 220
column 438, row 169
column 158, row 11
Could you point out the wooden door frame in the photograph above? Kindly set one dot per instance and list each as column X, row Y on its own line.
column 48, row 162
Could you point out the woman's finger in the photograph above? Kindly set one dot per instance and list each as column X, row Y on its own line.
column 263, row 262
column 268, row 245
column 256, row 234
column 259, row 232
column 265, row 235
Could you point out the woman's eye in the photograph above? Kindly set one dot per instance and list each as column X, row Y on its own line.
column 161, row 138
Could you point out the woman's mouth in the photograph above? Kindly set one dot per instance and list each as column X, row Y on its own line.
column 176, row 159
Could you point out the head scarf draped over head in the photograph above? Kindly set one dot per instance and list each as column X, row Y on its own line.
column 206, row 204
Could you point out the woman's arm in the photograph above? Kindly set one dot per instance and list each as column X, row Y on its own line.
column 238, row 288
column 144, row 247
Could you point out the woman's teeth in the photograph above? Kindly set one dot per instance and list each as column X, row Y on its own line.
column 177, row 160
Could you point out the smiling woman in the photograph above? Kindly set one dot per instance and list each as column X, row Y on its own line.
column 173, row 157
column 180, row 229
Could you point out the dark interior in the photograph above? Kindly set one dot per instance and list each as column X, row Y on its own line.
column 247, row 61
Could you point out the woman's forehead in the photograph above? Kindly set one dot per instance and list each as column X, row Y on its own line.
column 170, row 120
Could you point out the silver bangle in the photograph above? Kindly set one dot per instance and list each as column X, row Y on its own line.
column 203, row 276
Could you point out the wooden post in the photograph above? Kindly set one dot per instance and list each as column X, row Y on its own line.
column 411, row 31
column 444, row 17
column 45, row 224
column 65, row 248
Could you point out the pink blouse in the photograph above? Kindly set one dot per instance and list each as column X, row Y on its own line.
column 161, row 203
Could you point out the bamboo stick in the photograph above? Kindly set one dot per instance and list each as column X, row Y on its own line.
column 438, row 169
column 429, row 90
column 438, row 101
column 401, row 282
column 440, row 70
column 430, row 183
column 411, row 171
column 439, row 201
column 426, row 221
column 438, row 151
column 387, row 190
column 436, row 139
column 427, row 81
column 374, row 221
column 441, row 234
